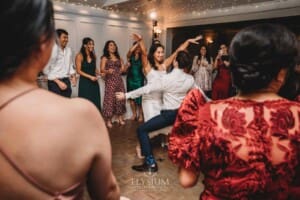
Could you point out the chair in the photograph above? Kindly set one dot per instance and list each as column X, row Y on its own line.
column 165, row 131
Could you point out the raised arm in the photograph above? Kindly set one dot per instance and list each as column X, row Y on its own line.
column 218, row 57
column 78, row 62
column 131, row 50
column 145, row 63
column 168, row 61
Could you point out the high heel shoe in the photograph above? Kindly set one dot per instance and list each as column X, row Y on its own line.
column 138, row 152
column 121, row 122
column 133, row 118
column 141, row 119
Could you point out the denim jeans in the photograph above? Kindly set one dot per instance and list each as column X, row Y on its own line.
column 164, row 119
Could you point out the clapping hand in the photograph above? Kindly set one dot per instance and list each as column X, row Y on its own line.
column 111, row 71
column 93, row 78
column 120, row 96
column 136, row 37
column 99, row 74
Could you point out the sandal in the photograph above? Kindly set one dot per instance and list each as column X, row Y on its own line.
column 109, row 125
column 121, row 122
column 133, row 118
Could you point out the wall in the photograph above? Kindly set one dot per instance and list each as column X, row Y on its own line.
column 82, row 21
column 100, row 25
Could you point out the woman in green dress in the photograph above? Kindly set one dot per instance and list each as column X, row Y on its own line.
column 135, row 80
column 86, row 68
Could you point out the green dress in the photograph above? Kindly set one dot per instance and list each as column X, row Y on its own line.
column 89, row 89
column 135, row 77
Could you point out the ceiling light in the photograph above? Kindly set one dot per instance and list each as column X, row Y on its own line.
column 153, row 15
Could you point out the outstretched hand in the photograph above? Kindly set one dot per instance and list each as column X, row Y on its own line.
column 136, row 37
column 196, row 39
column 120, row 96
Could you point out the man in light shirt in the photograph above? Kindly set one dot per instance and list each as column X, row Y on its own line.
column 174, row 86
column 60, row 69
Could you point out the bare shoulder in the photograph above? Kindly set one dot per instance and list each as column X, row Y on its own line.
column 85, row 109
column 77, row 118
column 85, row 115
column 79, row 55
column 103, row 58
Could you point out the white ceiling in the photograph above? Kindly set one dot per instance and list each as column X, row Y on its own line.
column 176, row 10
column 164, row 8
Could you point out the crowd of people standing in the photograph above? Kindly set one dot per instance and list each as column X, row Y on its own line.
column 212, row 76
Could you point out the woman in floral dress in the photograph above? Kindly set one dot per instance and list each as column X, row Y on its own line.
column 202, row 70
column 112, row 66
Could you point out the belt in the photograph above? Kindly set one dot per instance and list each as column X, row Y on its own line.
column 169, row 110
column 64, row 78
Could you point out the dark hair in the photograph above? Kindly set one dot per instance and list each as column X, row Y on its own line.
column 85, row 41
column 105, row 50
column 156, row 41
column 291, row 87
column 258, row 53
column 60, row 31
column 206, row 55
column 26, row 22
column 152, row 50
column 184, row 60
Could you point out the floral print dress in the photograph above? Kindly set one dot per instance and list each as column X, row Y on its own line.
column 113, row 84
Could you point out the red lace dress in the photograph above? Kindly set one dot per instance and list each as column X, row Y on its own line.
column 245, row 149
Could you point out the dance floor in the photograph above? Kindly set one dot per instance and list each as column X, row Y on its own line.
column 162, row 185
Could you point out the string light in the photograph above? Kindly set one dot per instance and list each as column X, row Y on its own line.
column 173, row 9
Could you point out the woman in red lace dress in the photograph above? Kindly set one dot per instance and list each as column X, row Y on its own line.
column 247, row 146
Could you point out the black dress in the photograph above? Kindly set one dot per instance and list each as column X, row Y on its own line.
column 89, row 89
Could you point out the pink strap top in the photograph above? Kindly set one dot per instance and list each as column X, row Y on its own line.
column 74, row 192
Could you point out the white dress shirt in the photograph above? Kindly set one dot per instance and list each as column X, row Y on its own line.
column 174, row 86
column 60, row 64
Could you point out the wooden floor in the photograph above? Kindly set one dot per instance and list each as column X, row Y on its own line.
column 162, row 185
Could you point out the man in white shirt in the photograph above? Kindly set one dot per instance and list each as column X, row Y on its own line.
column 60, row 69
column 174, row 86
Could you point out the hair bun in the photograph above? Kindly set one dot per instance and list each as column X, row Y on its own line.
column 247, row 77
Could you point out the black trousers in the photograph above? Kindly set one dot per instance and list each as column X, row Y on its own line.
column 53, row 87
column 164, row 119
